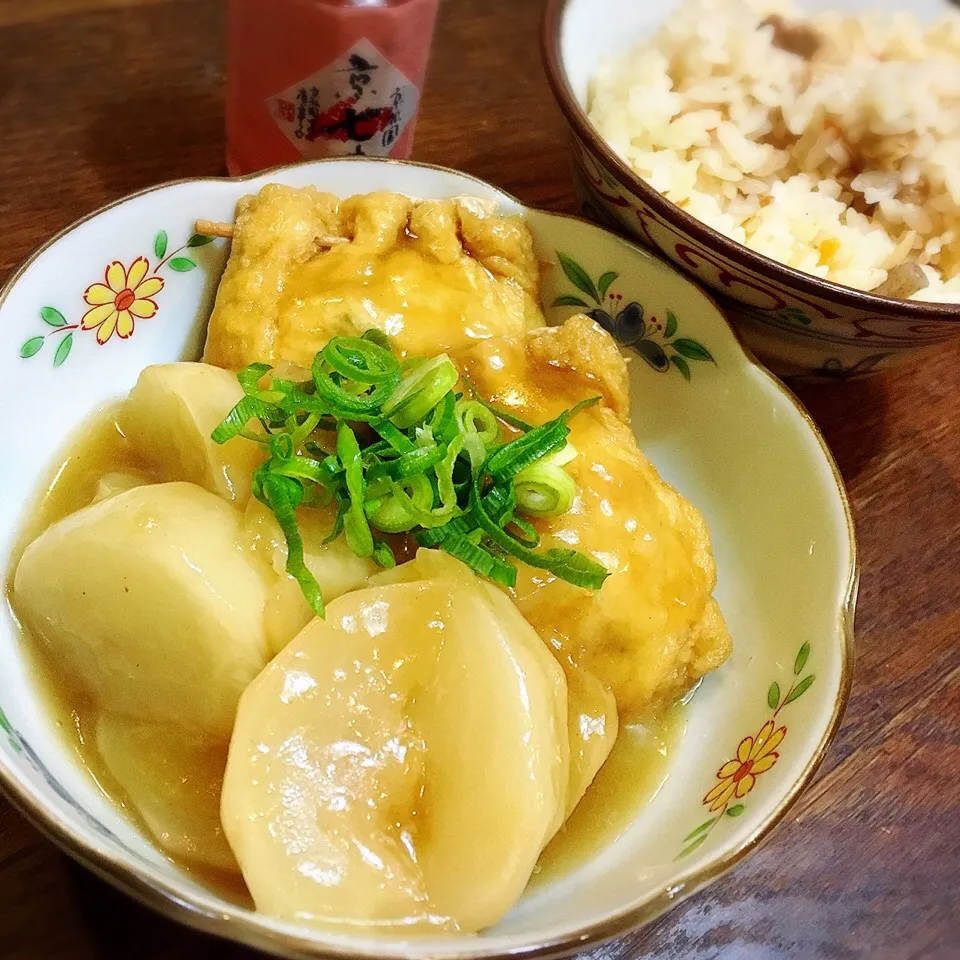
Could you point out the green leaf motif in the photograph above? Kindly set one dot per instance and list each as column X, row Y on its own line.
column 569, row 301
column 31, row 347
column 577, row 276
column 703, row 826
column 692, row 349
column 200, row 240
column 52, row 317
column 603, row 284
column 653, row 353
column 671, row 328
column 693, row 846
column 801, row 660
column 800, row 689
column 773, row 696
column 63, row 350
column 182, row 264
column 10, row 732
column 735, row 811
column 160, row 244
column 681, row 365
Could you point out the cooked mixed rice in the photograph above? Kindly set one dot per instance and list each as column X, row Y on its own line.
column 830, row 142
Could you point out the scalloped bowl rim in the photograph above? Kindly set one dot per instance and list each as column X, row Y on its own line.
column 242, row 926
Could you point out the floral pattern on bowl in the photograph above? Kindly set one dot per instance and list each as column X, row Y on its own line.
column 657, row 341
column 125, row 295
column 730, row 437
column 755, row 755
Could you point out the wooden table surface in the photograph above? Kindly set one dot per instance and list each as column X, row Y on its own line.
column 99, row 98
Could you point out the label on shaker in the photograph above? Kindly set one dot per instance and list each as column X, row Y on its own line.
column 359, row 104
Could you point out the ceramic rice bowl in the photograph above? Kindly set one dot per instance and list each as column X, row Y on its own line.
column 797, row 324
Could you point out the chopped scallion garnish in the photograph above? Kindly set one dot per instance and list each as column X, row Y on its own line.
column 413, row 456
column 544, row 489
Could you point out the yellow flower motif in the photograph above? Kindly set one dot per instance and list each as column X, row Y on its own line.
column 737, row 777
column 125, row 295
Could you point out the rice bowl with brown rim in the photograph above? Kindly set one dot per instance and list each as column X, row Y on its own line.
column 830, row 144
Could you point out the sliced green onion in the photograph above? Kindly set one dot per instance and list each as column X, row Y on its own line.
column 360, row 360
column 282, row 495
column 530, row 537
column 250, row 376
column 376, row 491
column 303, row 430
column 568, row 564
column 512, row 457
column 281, row 385
column 342, row 403
column 410, row 364
column 475, row 449
column 562, row 457
column 499, row 503
column 568, row 415
column 480, row 560
column 281, row 446
column 544, row 489
column 376, row 450
column 298, row 400
column 399, row 441
column 435, row 536
column 473, row 417
column 332, row 474
column 235, row 422
column 443, row 420
column 420, row 391
column 575, row 567
column 444, row 470
column 383, row 555
column 498, row 412
column 408, row 464
column 423, row 436
column 300, row 468
column 435, row 517
column 415, row 478
column 378, row 337
column 398, row 511
column 343, row 505
column 315, row 495
column 355, row 524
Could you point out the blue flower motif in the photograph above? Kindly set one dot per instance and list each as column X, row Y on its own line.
column 629, row 328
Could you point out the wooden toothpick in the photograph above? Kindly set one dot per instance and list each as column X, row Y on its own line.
column 215, row 228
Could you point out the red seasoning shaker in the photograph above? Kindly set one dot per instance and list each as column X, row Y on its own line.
column 324, row 78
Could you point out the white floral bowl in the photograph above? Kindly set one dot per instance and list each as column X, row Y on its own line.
column 719, row 427
column 799, row 325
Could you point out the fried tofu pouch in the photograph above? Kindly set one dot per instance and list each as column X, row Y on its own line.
column 654, row 629
column 434, row 275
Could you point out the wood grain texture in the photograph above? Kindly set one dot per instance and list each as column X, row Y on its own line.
column 102, row 97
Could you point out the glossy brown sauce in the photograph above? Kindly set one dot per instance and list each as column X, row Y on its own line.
column 632, row 775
